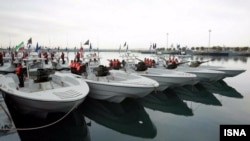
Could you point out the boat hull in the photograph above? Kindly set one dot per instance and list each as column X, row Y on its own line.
column 116, row 93
column 60, row 94
column 169, row 78
column 163, row 84
column 36, row 106
column 204, row 74
column 178, row 78
column 229, row 72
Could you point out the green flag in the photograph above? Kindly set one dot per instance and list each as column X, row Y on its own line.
column 21, row 45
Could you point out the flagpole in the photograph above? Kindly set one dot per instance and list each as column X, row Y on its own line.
column 120, row 49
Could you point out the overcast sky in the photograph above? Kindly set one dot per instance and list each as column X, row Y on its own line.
column 109, row 23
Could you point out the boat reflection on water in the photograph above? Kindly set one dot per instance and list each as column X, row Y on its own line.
column 166, row 102
column 222, row 88
column 128, row 117
column 195, row 93
column 71, row 128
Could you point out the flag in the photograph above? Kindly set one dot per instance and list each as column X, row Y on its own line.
column 87, row 42
column 19, row 46
column 90, row 47
column 154, row 46
column 30, row 41
column 125, row 44
column 37, row 47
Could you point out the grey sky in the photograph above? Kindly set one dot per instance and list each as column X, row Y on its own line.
column 109, row 23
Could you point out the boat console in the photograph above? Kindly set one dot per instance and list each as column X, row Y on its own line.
column 43, row 75
column 101, row 71
column 141, row 66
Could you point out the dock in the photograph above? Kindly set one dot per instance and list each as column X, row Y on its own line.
column 6, row 123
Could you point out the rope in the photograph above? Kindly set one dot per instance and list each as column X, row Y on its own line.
column 6, row 112
column 40, row 127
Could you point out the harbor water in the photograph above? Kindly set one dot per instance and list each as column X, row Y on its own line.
column 190, row 113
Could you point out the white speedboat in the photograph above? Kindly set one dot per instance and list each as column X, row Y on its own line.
column 170, row 77
column 114, row 85
column 229, row 71
column 34, row 62
column 47, row 92
column 202, row 74
column 9, row 65
column 41, row 61
column 58, row 64
column 165, row 78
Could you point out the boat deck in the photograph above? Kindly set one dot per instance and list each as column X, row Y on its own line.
column 30, row 87
column 5, row 122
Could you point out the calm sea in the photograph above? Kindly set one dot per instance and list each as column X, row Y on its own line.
column 181, row 113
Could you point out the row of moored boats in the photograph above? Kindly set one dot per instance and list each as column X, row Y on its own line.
column 48, row 90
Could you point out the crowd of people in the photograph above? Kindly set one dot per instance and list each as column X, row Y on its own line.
column 172, row 60
column 149, row 62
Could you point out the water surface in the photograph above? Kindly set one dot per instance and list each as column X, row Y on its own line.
column 184, row 113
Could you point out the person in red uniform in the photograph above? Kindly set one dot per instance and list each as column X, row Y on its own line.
column 52, row 54
column 19, row 73
column 62, row 57
column 111, row 64
column 77, row 57
column 1, row 59
column 12, row 57
column 45, row 55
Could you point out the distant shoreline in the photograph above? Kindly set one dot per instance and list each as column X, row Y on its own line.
column 173, row 52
